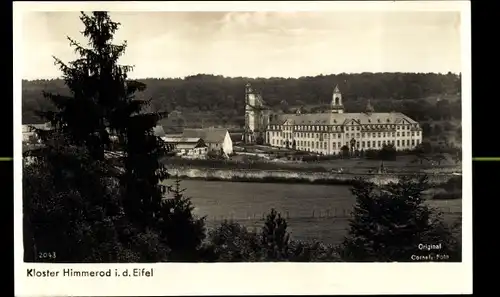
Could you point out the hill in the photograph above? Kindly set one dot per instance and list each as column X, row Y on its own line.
column 207, row 100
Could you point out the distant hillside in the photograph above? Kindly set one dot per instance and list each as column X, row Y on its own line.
column 207, row 98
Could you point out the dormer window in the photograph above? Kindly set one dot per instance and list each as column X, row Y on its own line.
column 388, row 120
column 378, row 120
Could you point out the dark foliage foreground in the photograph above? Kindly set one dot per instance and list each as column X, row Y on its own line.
column 77, row 214
column 81, row 206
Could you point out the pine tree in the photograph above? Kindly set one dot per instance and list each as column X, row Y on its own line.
column 180, row 228
column 102, row 101
column 275, row 238
column 389, row 222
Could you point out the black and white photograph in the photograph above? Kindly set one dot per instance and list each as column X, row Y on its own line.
column 240, row 134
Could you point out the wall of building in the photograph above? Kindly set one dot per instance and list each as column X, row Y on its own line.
column 329, row 139
column 227, row 145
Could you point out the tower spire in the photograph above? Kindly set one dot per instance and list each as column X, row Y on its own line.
column 336, row 105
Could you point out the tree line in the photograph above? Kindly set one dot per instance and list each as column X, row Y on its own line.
column 80, row 205
column 402, row 92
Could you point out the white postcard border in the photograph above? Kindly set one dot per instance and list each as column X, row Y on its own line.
column 252, row 278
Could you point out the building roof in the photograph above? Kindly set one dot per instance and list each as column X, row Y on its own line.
column 342, row 118
column 31, row 127
column 170, row 125
column 189, row 146
column 182, row 139
column 209, row 135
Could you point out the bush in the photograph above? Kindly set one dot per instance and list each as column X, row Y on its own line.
column 71, row 208
column 389, row 222
column 181, row 231
column 234, row 243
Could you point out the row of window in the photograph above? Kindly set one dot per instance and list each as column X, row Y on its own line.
column 288, row 135
column 337, row 145
column 340, row 127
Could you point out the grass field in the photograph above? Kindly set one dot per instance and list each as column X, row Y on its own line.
column 401, row 164
column 314, row 212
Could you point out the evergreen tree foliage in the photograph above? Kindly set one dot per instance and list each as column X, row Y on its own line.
column 102, row 101
column 389, row 222
column 275, row 238
column 182, row 231
column 71, row 208
column 233, row 242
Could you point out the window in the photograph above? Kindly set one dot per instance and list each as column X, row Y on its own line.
column 413, row 142
column 363, row 135
column 397, row 134
column 378, row 134
column 357, row 135
column 357, row 128
column 408, row 142
column 363, row 144
column 378, row 143
column 412, row 133
column 373, row 144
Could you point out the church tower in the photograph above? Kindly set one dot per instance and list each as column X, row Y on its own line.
column 250, row 116
column 336, row 105
column 256, row 116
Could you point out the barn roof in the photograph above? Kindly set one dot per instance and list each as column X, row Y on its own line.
column 182, row 139
column 209, row 135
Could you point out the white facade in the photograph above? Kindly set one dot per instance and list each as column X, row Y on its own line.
column 226, row 144
column 327, row 133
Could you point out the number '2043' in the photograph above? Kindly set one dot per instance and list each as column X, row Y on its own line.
column 47, row 255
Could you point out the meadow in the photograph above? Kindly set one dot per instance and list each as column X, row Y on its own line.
column 404, row 163
column 314, row 212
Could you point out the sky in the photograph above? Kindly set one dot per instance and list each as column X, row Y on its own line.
column 256, row 44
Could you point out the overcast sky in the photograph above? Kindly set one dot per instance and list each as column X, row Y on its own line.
column 257, row 44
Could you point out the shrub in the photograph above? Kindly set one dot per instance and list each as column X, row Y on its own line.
column 389, row 222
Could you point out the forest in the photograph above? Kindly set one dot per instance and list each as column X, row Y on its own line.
column 219, row 100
